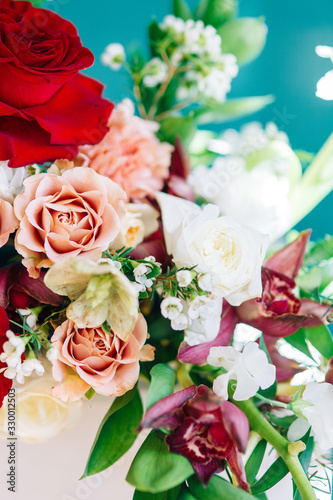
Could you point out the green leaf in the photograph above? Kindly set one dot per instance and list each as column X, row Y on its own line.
column 184, row 493
column 298, row 340
column 244, row 37
column 164, row 495
column 254, row 462
column 155, row 36
column 305, row 459
column 277, row 471
column 231, row 109
column 323, row 250
column 162, row 383
column 177, row 126
column 154, row 469
column 321, row 339
column 116, row 433
column 217, row 488
column 217, row 12
column 182, row 10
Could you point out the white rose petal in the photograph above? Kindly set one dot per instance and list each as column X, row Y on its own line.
column 249, row 368
column 220, row 246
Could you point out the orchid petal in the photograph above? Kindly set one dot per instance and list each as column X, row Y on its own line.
column 236, row 424
column 289, row 260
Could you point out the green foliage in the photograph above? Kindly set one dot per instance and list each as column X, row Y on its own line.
column 216, row 12
column 162, row 383
column 323, row 250
column 164, row 495
column 232, row 109
column 277, row 471
column 154, row 469
column 298, row 340
column 177, row 126
column 254, row 462
column 182, row 10
column 244, row 37
column 321, row 339
column 217, row 488
column 116, row 433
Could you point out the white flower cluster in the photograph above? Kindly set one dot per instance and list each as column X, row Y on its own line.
column 142, row 282
column 212, row 70
column 325, row 84
column 113, row 56
column 252, row 180
column 155, row 72
column 12, row 356
column 199, row 317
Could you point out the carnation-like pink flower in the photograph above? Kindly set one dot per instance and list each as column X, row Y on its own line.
column 76, row 213
column 89, row 357
column 130, row 154
column 8, row 221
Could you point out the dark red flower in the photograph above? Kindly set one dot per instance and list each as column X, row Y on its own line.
column 179, row 170
column 5, row 383
column 278, row 312
column 47, row 109
column 205, row 429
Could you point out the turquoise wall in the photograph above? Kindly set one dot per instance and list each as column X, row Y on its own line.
column 287, row 68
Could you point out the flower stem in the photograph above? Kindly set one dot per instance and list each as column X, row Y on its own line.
column 259, row 424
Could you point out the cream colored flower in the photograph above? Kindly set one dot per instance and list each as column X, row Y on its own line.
column 40, row 415
column 100, row 293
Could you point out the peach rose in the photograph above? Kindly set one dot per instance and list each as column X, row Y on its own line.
column 96, row 359
column 8, row 221
column 77, row 213
column 130, row 154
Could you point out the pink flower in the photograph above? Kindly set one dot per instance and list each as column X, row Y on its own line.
column 77, row 213
column 130, row 154
column 8, row 221
column 89, row 357
column 205, row 429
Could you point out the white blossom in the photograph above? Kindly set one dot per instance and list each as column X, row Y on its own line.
column 172, row 25
column 180, row 322
column 30, row 318
column 325, row 84
column 207, row 282
column 140, row 274
column 11, row 181
column 184, row 278
column 27, row 368
column 250, row 368
column 114, row 56
column 12, row 352
column 171, row 307
column 316, row 407
column 155, row 72
column 205, row 325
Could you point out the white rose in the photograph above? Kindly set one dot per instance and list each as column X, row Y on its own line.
column 231, row 252
column 40, row 415
column 11, row 181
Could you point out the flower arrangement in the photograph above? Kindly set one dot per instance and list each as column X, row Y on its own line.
column 154, row 262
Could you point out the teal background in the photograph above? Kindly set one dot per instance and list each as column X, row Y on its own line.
column 288, row 67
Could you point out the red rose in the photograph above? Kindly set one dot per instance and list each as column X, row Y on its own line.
column 47, row 109
column 5, row 383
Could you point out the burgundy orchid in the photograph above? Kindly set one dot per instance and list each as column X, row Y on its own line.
column 179, row 170
column 278, row 312
column 205, row 429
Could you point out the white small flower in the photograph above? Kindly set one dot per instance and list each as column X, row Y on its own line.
column 249, row 368
column 31, row 365
column 30, row 318
column 140, row 273
column 180, row 322
column 206, row 282
column 228, row 64
column 319, row 412
column 155, row 72
column 12, row 351
column 52, row 355
column 171, row 307
column 200, row 308
column 11, row 181
column 114, row 56
column 150, row 258
column 206, row 326
column 172, row 25
column 184, row 278
column 138, row 287
column 215, row 85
